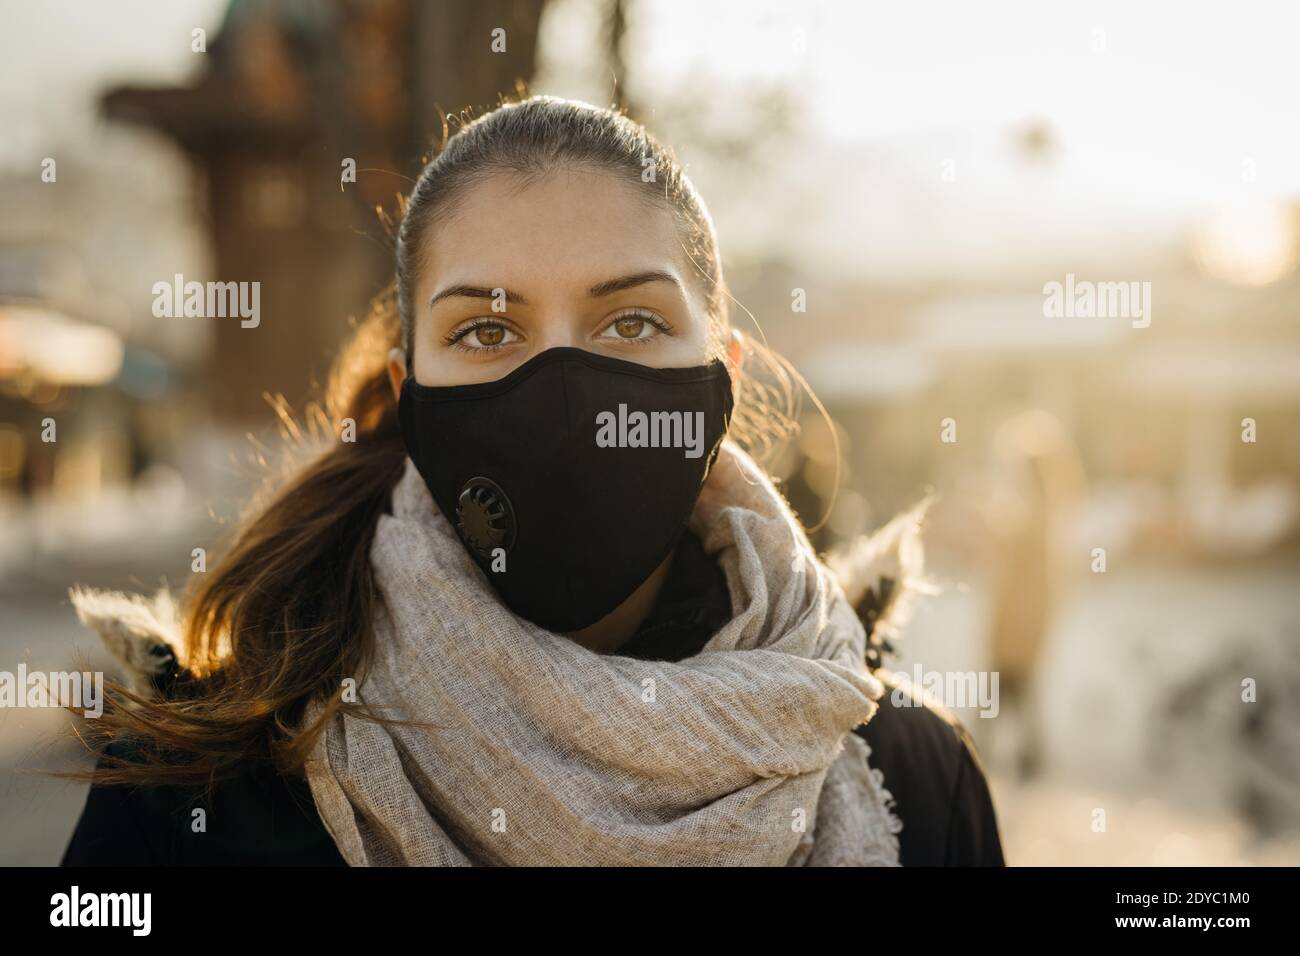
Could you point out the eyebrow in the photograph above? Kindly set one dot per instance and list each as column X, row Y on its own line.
column 609, row 287
column 473, row 292
column 628, row 282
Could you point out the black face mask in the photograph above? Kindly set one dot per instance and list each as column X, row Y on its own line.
column 572, row 478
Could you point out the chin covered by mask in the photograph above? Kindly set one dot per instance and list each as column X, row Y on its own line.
column 572, row 478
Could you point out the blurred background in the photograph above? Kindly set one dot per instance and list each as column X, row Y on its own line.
column 919, row 171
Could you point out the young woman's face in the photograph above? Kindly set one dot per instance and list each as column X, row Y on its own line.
column 574, row 259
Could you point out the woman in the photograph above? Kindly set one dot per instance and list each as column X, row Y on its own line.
column 543, row 609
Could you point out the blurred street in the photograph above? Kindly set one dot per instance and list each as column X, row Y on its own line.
column 1202, row 783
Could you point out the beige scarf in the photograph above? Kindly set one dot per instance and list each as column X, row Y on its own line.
column 542, row 752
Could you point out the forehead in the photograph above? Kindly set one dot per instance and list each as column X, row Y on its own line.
column 569, row 227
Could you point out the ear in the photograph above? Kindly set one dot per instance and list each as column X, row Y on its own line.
column 735, row 352
column 396, row 372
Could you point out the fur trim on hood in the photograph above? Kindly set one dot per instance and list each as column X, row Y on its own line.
column 143, row 635
column 882, row 574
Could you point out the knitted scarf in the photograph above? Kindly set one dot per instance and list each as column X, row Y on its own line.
column 533, row 750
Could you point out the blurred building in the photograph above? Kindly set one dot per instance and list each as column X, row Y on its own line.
column 236, row 176
column 293, row 91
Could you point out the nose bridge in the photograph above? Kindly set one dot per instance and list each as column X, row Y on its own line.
column 557, row 325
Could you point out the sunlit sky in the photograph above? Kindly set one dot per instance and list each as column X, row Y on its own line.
column 1189, row 88
column 1174, row 96
column 1178, row 108
column 1162, row 114
column 1186, row 89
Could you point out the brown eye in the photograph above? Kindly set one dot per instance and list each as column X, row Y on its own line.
column 489, row 335
column 630, row 326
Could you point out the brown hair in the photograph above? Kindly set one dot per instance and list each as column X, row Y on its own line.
column 286, row 616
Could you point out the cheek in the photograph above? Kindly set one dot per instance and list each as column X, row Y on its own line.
column 701, row 344
column 426, row 362
column 703, row 331
column 703, row 335
column 429, row 362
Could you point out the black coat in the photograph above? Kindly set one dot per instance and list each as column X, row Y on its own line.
column 927, row 759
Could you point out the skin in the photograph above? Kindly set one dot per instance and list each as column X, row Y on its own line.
column 585, row 262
